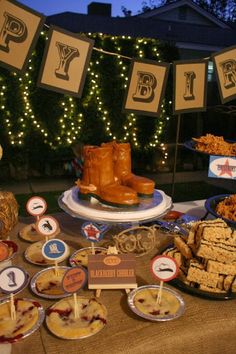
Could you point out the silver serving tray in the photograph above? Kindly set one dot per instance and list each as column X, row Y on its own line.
column 150, row 317
column 41, row 315
column 46, row 296
column 125, row 213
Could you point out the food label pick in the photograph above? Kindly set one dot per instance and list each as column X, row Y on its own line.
column 36, row 206
column 54, row 249
column 164, row 268
column 47, row 226
column 74, row 279
column 92, row 232
column 12, row 279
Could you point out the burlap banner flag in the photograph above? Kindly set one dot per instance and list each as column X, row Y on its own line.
column 190, row 86
column 65, row 62
column 146, row 87
column 225, row 65
column 67, row 55
column 19, row 31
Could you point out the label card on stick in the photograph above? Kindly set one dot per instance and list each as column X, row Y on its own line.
column 164, row 268
column 36, row 206
column 13, row 279
column 73, row 280
column 47, row 226
column 55, row 250
column 92, row 231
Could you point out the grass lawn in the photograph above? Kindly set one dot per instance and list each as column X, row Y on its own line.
column 183, row 192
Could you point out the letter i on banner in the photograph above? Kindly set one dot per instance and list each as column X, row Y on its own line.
column 65, row 62
column 20, row 27
column 147, row 82
column 225, row 65
column 190, row 94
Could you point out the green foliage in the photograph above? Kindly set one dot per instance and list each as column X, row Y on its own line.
column 43, row 132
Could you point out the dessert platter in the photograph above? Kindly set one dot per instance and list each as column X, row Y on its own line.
column 61, row 321
column 47, row 283
column 143, row 302
column 223, row 206
column 29, row 317
column 30, row 234
column 206, row 259
column 33, row 254
column 109, row 192
column 212, row 145
column 147, row 210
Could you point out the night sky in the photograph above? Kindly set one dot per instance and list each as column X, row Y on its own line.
column 49, row 7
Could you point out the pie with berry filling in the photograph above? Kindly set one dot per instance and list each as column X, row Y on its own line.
column 29, row 233
column 49, row 282
column 27, row 320
column 80, row 257
column 61, row 321
column 146, row 302
column 34, row 255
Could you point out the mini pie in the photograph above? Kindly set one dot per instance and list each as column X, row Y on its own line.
column 80, row 257
column 33, row 254
column 61, row 321
column 27, row 316
column 49, row 283
column 145, row 301
column 29, row 233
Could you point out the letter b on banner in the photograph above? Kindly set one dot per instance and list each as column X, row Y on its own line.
column 145, row 87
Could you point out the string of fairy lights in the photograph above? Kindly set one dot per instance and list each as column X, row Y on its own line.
column 73, row 110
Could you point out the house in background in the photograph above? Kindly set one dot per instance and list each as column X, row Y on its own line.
column 193, row 30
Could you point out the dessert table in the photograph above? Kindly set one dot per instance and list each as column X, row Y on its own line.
column 207, row 326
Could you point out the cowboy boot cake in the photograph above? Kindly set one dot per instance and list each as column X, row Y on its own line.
column 122, row 170
column 98, row 178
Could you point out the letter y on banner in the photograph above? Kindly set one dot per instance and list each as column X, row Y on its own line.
column 65, row 62
column 19, row 31
column 225, row 65
column 147, row 82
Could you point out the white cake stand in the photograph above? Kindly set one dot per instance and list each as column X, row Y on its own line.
column 149, row 209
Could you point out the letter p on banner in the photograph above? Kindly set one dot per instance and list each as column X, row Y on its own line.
column 147, row 82
column 19, row 31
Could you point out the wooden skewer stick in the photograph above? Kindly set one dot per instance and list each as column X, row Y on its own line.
column 13, row 309
column 160, row 293
column 56, row 269
column 76, row 307
column 93, row 249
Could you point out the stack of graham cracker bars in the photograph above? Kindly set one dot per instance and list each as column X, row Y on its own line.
column 207, row 256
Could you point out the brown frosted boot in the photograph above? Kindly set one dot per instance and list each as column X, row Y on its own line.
column 98, row 179
column 122, row 170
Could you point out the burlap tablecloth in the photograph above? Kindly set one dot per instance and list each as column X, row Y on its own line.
column 207, row 326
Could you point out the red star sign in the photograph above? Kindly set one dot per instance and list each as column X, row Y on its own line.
column 225, row 169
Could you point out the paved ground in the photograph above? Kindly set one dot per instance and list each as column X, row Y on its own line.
column 61, row 184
